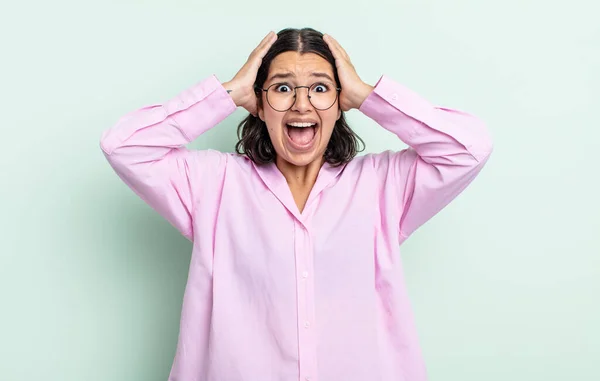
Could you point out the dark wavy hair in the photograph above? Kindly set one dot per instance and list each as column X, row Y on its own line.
column 254, row 140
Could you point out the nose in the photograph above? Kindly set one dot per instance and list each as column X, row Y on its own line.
column 302, row 102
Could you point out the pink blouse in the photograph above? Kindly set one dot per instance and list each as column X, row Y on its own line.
column 278, row 295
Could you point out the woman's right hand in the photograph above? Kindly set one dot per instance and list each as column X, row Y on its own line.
column 242, row 84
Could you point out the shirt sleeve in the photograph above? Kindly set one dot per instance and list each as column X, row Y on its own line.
column 146, row 148
column 447, row 149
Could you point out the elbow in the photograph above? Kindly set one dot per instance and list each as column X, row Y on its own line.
column 483, row 151
column 482, row 145
column 110, row 147
column 107, row 142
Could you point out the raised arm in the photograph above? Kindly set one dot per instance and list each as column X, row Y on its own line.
column 447, row 149
column 147, row 149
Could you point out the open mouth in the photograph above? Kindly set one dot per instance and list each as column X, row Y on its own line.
column 301, row 135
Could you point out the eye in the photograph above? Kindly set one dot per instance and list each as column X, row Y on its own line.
column 320, row 88
column 282, row 88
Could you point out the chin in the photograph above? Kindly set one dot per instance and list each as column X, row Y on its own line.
column 302, row 161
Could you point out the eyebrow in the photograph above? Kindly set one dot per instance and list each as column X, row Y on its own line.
column 292, row 75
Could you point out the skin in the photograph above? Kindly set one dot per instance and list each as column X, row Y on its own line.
column 299, row 167
column 302, row 164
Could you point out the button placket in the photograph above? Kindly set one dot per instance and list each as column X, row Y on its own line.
column 310, row 305
column 306, row 299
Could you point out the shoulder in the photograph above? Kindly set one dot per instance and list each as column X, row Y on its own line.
column 382, row 162
column 238, row 161
column 371, row 160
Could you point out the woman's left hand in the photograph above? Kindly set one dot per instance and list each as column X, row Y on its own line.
column 354, row 90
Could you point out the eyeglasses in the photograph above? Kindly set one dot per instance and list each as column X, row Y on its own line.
column 321, row 95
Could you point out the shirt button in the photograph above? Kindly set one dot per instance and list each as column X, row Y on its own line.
column 305, row 274
column 394, row 97
column 306, row 324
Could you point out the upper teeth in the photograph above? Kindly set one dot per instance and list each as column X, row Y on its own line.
column 296, row 124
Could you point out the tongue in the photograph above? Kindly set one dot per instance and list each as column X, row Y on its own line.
column 301, row 135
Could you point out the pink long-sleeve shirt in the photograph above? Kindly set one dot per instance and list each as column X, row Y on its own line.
column 278, row 295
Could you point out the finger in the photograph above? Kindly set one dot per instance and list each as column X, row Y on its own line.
column 342, row 50
column 265, row 44
column 329, row 41
column 336, row 46
column 335, row 50
column 264, row 40
column 255, row 58
column 270, row 40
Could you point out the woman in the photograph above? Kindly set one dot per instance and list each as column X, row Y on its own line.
column 295, row 272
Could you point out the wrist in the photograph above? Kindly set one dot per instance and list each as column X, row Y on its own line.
column 362, row 94
column 230, row 88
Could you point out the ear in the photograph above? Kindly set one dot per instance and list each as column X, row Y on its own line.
column 339, row 113
column 260, row 112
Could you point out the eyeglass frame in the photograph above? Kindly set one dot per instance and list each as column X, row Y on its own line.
column 337, row 94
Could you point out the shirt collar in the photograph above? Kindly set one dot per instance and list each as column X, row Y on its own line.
column 276, row 182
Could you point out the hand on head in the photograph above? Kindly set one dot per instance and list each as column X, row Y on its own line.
column 242, row 84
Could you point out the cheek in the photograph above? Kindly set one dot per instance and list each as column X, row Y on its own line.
column 329, row 121
column 273, row 122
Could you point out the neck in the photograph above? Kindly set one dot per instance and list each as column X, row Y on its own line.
column 300, row 176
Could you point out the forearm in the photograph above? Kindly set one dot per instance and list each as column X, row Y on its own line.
column 437, row 134
column 147, row 133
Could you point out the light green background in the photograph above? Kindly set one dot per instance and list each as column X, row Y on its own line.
column 504, row 281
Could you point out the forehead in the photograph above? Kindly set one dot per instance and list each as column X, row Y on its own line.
column 299, row 65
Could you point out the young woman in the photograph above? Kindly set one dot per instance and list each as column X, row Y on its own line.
column 295, row 271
